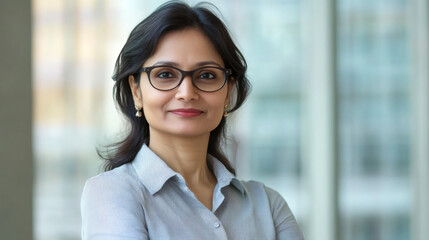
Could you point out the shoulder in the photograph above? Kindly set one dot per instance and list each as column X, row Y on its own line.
column 284, row 221
column 265, row 196
column 257, row 188
column 114, row 182
column 112, row 189
column 120, row 176
column 111, row 205
column 275, row 200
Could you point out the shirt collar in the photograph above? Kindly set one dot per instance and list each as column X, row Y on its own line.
column 151, row 169
column 223, row 176
column 154, row 172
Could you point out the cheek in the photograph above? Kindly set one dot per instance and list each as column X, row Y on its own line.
column 152, row 100
column 218, row 105
column 221, row 107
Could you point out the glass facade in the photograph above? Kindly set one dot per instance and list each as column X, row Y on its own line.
column 75, row 45
column 374, row 119
column 267, row 129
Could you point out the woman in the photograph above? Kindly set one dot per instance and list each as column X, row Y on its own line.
column 177, row 78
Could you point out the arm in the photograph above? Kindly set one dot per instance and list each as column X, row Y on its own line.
column 112, row 210
column 284, row 220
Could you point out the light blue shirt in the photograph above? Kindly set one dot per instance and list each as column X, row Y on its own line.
column 146, row 199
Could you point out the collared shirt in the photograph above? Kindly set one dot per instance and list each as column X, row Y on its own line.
column 146, row 199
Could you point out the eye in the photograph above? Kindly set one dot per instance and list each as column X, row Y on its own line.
column 165, row 74
column 206, row 75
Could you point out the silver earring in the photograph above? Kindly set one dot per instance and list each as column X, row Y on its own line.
column 138, row 113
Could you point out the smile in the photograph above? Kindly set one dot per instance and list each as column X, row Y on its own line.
column 189, row 112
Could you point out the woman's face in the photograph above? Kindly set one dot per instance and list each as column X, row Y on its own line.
column 184, row 111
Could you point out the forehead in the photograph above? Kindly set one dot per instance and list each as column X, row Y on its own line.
column 186, row 48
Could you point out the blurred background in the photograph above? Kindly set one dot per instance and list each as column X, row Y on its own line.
column 337, row 121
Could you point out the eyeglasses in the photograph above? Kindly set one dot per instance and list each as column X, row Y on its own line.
column 206, row 79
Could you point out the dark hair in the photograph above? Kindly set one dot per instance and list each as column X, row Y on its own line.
column 141, row 45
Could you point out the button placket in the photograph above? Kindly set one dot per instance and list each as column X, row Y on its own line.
column 213, row 223
column 216, row 224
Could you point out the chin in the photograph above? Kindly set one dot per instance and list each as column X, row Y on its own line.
column 187, row 130
column 189, row 133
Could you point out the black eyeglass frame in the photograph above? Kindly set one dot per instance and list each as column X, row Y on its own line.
column 227, row 73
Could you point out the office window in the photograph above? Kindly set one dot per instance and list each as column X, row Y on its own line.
column 269, row 127
column 374, row 119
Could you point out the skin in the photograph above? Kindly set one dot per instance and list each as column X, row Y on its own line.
column 182, row 141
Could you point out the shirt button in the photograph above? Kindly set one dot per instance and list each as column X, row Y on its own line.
column 216, row 224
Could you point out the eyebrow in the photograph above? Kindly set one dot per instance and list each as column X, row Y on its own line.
column 201, row 64
column 174, row 64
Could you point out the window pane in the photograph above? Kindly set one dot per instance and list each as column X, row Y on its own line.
column 374, row 136
column 74, row 48
column 268, row 128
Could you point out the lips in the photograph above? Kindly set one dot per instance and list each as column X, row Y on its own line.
column 187, row 112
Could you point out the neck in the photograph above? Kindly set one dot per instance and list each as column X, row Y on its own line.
column 185, row 155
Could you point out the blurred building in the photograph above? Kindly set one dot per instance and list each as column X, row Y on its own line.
column 373, row 63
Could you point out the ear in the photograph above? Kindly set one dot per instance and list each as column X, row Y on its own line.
column 135, row 90
column 230, row 87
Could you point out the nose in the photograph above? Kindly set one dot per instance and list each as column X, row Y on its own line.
column 186, row 91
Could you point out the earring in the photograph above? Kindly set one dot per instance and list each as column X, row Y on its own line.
column 225, row 111
column 138, row 113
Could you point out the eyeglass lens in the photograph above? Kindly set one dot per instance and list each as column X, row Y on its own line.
column 205, row 79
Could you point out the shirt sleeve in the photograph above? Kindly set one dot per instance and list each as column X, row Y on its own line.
column 111, row 209
column 285, row 223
